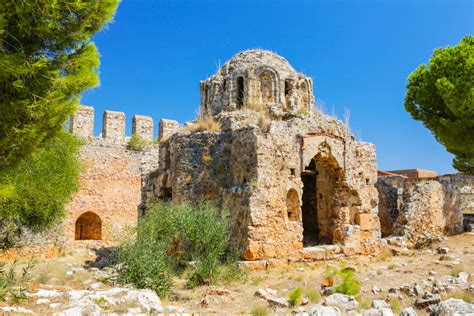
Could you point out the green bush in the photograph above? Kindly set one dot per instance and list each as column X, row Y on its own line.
column 260, row 311
column 136, row 142
column 12, row 283
column 348, row 284
column 43, row 184
column 172, row 238
column 312, row 295
column 296, row 297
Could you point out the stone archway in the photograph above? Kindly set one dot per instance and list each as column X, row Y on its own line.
column 88, row 227
column 324, row 196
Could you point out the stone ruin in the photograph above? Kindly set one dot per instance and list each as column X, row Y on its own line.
column 296, row 182
column 290, row 175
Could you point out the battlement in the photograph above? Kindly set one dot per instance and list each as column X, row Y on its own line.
column 114, row 123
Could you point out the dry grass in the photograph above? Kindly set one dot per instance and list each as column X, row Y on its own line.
column 203, row 124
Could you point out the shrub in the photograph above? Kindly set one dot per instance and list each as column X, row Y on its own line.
column 137, row 143
column 43, row 184
column 203, row 124
column 395, row 306
column 260, row 311
column 11, row 282
column 296, row 297
column 312, row 295
column 168, row 238
column 348, row 284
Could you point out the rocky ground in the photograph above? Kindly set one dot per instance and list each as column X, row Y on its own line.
column 436, row 280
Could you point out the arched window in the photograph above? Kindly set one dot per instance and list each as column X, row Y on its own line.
column 266, row 87
column 293, row 205
column 240, row 92
column 88, row 227
column 304, row 95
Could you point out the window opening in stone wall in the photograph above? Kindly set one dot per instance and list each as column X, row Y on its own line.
column 293, row 205
column 240, row 92
column 266, row 87
column 88, row 227
column 304, row 95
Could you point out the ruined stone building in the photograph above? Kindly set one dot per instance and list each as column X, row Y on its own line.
column 292, row 177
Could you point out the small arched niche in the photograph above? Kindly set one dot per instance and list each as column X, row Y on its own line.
column 304, row 95
column 293, row 205
column 267, row 87
column 88, row 227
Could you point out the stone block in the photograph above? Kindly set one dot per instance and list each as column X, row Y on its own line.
column 366, row 221
column 113, row 128
column 81, row 122
column 143, row 127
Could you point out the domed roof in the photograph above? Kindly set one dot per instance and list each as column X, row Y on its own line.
column 255, row 58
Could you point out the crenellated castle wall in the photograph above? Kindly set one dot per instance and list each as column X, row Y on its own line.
column 110, row 185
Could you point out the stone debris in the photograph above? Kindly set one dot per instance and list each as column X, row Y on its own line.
column 46, row 293
column 270, row 296
column 409, row 311
column 16, row 309
column 454, row 307
column 318, row 310
column 425, row 302
column 342, row 301
column 42, row 301
column 443, row 250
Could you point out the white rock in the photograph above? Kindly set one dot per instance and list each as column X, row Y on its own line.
column 320, row 310
column 378, row 312
column 78, row 294
column 46, row 293
column 16, row 309
column 79, row 308
column 95, row 286
column 147, row 299
column 42, row 301
column 54, row 305
column 455, row 307
column 344, row 302
column 409, row 311
column 379, row 304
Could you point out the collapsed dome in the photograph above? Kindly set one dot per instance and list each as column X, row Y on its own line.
column 257, row 79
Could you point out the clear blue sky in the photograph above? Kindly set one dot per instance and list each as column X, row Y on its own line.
column 359, row 54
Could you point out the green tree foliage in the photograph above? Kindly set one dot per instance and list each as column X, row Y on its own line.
column 46, row 61
column 170, row 236
column 43, row 182
column 441, row 95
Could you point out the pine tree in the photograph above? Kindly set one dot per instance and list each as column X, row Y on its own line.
column 441, row 95
column 47, row 60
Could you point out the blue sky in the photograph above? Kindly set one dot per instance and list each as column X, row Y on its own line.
column 359, row 54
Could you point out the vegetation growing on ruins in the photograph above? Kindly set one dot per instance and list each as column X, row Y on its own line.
column 138, row 143
column 441, row 95
column 43, row 183
column 174, row 239
column 47, row 60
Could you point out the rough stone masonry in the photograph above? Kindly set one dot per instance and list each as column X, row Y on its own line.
column 292, row 177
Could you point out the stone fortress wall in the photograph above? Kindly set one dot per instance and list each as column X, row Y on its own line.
column 110, row 184
column 423, row 206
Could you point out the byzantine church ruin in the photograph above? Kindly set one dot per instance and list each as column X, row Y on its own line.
column 295, row 181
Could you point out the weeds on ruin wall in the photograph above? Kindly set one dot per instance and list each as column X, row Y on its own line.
column 43, row 184
column 178, row 239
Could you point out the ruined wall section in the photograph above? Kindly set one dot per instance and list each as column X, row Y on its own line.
column 397, row 207
column 282, row 159
column 110, row 184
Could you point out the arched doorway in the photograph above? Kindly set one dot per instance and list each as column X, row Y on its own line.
column 88, row 227
column 321, row 193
